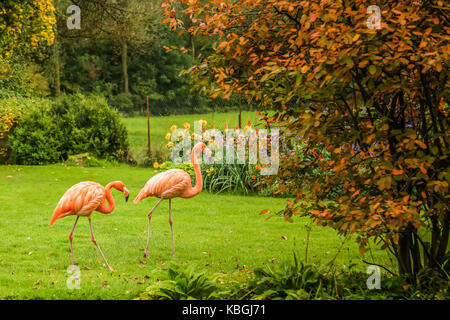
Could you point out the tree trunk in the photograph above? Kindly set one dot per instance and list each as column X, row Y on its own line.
column 125, row 67
column 57, row 62
column 410, row 260
column 443, row 245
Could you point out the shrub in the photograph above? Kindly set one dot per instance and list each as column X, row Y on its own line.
column 19, row 79
column 69, row 125
column 290, row 280
column 181, row 283
column 10, row 112
column 36, row 140
column 123, row 102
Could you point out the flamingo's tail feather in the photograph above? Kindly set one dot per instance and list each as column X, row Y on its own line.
column 140, row 196
column 56, row 215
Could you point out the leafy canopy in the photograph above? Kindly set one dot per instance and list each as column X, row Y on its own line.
column 375, row 100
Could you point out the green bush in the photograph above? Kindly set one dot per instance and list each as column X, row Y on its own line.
column 123, row 102
column 181, row 283
column 36, row 140
column 23, row 79
column 72, row 124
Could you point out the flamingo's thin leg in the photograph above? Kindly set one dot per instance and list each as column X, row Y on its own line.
column 171, row 226
column 95, row 242
column 149, row 221
column 71, row 237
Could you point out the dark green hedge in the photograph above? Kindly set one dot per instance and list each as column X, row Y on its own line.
column 71, row 124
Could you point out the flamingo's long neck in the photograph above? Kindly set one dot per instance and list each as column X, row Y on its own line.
column 198, row 176
column 111, row 204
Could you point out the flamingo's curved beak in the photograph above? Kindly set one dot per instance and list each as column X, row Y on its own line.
column 126, row 194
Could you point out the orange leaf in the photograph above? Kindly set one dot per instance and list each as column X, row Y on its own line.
column 421, row 144
column 397, row 172
column 264, row 211
column 424, row 171
column 356, row 193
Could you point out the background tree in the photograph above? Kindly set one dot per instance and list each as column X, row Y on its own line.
column 25, row 24
column 126, row 23
column 370, row 107
column 25, row 29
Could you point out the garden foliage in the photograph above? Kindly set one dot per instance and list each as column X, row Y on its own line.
column 290, row 280
column 54, row 130
column 375, row 98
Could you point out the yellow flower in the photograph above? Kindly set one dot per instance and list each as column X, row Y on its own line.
column 155, row 165
column 187, row 125
column 170, row 144
column 168, row 136
column 204, row 123
column 173, row 128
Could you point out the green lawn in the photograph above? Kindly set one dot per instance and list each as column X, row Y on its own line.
column 221, row 233
column 160, row 126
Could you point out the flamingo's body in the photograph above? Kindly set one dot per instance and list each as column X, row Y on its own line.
column 171, row 184
column 167, row 185
column 84, row 198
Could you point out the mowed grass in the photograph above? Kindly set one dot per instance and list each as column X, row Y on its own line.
column 160, row 126
column 218, row 233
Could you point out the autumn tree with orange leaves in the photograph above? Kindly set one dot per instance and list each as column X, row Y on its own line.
column 374, row 99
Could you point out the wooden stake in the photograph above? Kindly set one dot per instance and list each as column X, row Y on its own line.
column 149, row 149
